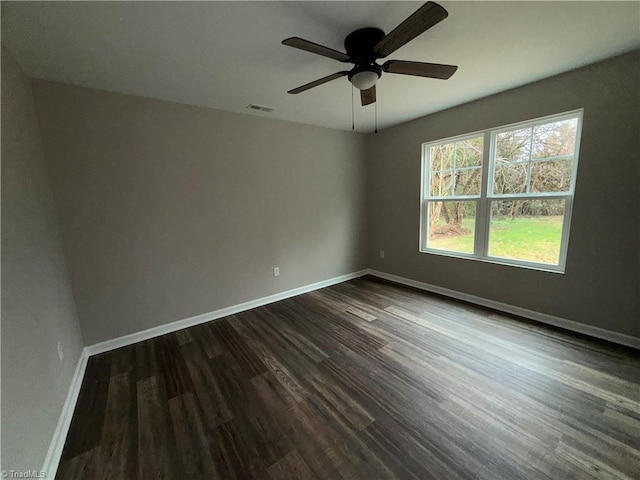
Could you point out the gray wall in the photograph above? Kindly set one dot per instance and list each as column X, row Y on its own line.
column 37, row 305
column 600, row 285
column 169, row 211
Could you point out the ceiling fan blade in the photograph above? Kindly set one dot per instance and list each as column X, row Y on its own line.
column 367, row 97
column 421, row 20
column 307, row 46
column 320, row 81
column 419, row 69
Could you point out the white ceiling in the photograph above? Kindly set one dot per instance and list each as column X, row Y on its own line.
column 226, row 55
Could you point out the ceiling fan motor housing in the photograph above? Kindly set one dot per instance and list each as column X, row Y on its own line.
column 359, row 45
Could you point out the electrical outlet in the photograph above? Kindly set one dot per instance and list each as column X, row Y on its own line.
column 276, row 271
column 60, row 352
column 381, row 253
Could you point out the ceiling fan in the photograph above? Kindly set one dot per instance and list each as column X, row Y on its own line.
column 366, row 45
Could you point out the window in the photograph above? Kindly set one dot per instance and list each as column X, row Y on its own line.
column 502, row 195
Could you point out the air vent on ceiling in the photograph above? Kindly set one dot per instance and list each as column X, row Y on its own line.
column 262, row 108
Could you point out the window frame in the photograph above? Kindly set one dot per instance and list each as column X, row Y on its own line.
column 486, row 196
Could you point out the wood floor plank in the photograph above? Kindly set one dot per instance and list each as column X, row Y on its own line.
column 208, row 388
column 302, row 343
column 171, row 366
column 360, row 313
column 119, row 435
column 232, row 460
column 250, row 363
column 85, row 466
column 146, row 361
column 204, row 336
column 184, row 336
column 259, row 430
column 154, row 437
column 273, row 394
column 291, row 467
column 274, row 353
column 318, row 443
column 362, row 380
column 625, row 421
column 123, row 360
column 340, row 400
column 192, row 443
column 590, row 465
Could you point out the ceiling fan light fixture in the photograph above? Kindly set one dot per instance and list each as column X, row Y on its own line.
column 365, row 79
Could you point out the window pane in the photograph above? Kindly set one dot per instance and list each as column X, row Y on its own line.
column 510, row 178
column 452, row 226
column 441, row 183
column 512, row 161
column 469, row 153
column 513, row 146
column 441, row 178
column 551, row 176
column 468, row 181
column 455, row 168
column 529, row 230
column 555, row 139
column 441, row 157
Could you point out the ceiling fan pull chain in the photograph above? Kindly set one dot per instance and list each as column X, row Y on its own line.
column 353, row 123
column 376, row 115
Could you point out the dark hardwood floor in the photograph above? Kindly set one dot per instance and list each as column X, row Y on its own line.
column 362, row 380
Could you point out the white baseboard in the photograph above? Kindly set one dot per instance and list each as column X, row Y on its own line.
column 207, row 317
column 597, row 332
column 52, row 460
